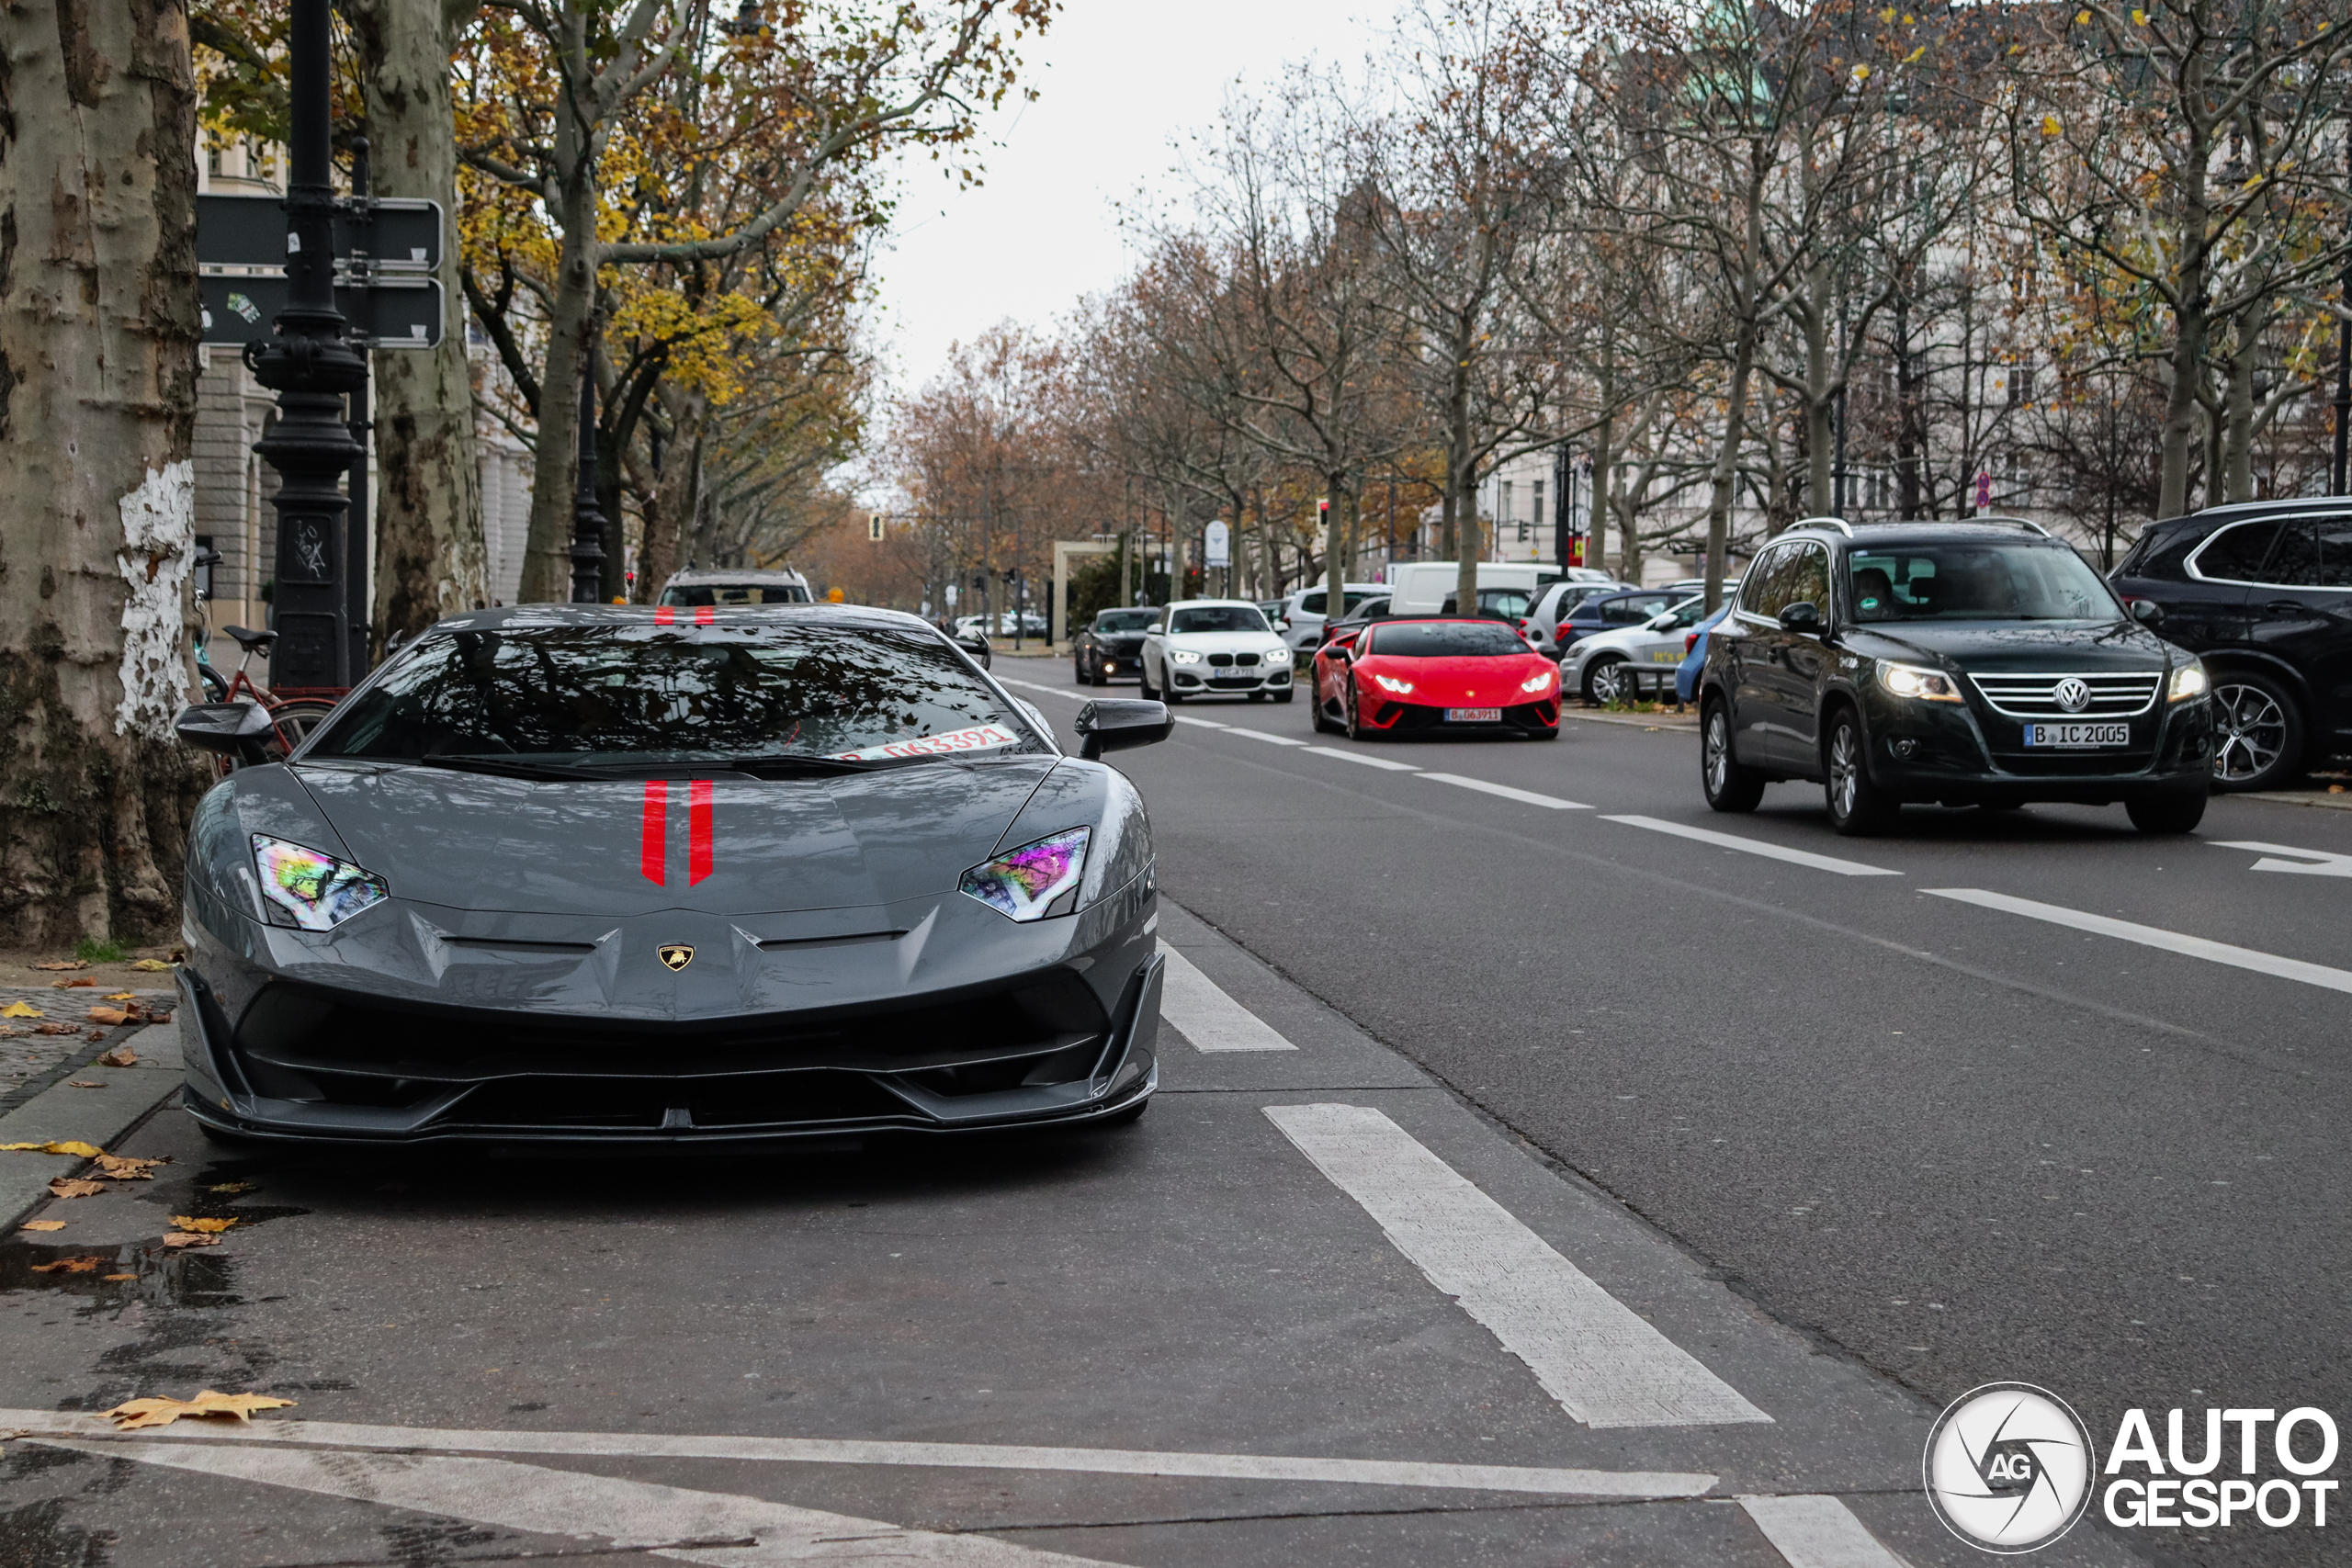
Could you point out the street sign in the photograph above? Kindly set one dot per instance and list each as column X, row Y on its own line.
column 392, row 312
column 1216, row 543
column 250, row 231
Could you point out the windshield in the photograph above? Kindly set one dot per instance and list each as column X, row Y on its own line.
column 1444, row 639
column 735, row 594
column 1219, row 618
column 1977, row 583
column 1126, row 620
column 637, row 693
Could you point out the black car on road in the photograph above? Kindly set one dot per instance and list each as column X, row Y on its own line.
column 1966, row 664
column 2263, row 594
column 1111, row 646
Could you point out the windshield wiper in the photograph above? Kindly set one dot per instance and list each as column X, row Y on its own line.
column 788, row 764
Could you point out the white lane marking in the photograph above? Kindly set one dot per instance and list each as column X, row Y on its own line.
column 1603, row 1363
column 2155, row 936
column 1049, row 691
column 669, row 1521
column 1757, row 847
column 1358, row 757
column 1818, row 1532
column 1203, row 723
column 2307, row 863
column 1513, row 1478
column 1527, row 796
column 1266, row 736
column 1211, row 1020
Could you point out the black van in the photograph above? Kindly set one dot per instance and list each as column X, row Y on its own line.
column 2262, row 592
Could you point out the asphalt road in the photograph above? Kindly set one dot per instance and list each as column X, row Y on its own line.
column 1527, row 1185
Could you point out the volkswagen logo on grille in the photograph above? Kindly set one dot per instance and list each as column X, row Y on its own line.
column 2072, row 695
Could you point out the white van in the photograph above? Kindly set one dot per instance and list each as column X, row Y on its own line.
column 1421, row 587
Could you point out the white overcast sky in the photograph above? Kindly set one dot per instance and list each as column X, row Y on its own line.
column 1118, row 80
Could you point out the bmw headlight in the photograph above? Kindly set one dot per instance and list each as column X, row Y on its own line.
column 1921, row 684
column 1036, row 880
column 1390, row 684
column 319, row 891
column 1183, row 656
column 2188, row 681
column 1539, row 682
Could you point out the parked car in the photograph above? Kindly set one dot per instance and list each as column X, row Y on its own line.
column 1612, row 612
column 1540, row 625
column 1303, row 613
column 1364, row 614
column 1416, row 674
column 1976, row 663
column 1199, row 648
column 1617, row 666
column 1423, row 586
column 1112, row 645
column 2263, row 594
column 1510, row 605
column 733, row 586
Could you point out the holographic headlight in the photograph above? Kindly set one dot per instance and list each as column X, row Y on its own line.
column 319, row 891
column 1036, row 880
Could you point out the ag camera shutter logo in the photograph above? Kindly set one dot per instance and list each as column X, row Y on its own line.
column 2008, row 1467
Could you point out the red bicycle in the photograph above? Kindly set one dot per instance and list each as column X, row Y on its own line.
column 293, row 713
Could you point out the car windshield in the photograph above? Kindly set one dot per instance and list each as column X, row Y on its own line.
column 1444, row 639
column 1126, row 620
column 1973, row 582
column 734, row 593
column 588, row 695
column 1218, row 618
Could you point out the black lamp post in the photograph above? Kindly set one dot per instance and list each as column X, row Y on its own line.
column 311, row 364
column 587, row 522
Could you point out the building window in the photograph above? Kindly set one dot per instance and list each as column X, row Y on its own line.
column 1535, row 512
column 1503, row 512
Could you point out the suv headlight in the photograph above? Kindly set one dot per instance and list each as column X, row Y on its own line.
column 319, row 891
column 2188, row 681
column 1036, row 880
column 1921, row 684
column 1183, row 656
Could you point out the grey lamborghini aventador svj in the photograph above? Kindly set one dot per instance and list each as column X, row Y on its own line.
column 572, row 873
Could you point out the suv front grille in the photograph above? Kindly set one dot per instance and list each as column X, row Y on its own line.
column 2036, row 696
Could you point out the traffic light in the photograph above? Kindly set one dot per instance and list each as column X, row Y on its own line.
column 874, row 527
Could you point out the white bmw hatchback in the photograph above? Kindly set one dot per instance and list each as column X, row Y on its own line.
column 1203, row 647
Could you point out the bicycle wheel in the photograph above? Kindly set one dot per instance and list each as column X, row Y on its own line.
column 295, row 719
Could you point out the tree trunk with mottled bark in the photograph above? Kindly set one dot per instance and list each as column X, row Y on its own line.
column 98, row 413
column 431, row 560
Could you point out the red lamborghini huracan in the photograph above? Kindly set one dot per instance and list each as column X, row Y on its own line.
column 1439, row 672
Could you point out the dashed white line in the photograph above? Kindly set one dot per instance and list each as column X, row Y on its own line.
column 1049, row 691
column 1539, row 1480
column 1525, row 796
column 2155, row 936
column 1756, row 847
column 1818, row 1532
column 2307, row 863
column 1201, row 722
column 1211, row 1020
column 1266, row 735
column 1604, row 1363
column 1358, row 757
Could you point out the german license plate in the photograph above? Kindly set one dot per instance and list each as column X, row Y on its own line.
column 2078, row 735
column 1474, row 715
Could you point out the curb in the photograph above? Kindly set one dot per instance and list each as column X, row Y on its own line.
column 97, row 1116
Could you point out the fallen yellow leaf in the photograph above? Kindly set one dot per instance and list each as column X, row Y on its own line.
column 70, row 1266
column 207, row 1228
column 120, row 1056
column 189, row 1238
column 61, row 1146
column 63, row 963
column 70, row 984
column 112, row 1278
column 21, row 1010
column 118, row 996
column 153, row 965
column 74, row 1186
column 132, row 1415
column 123, row 1168
column 109, row 1016
column 44, row 1224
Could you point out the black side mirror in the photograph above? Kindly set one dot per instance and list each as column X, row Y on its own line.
column 1114, row 725
column 2147, row 612
column 242, row 730
column 1804, row 616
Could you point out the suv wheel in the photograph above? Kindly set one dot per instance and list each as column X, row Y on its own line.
column 1857, row 806
column 1729, row 787
column 2172, row 812
column 2258, row 733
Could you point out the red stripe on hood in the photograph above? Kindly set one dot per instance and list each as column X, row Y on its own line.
column 698, row 830
column 704, row 615
column 664, row 616
column 653, row 843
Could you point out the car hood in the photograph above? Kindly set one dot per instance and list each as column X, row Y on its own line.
column 476, row 841
column 1991, row 646
column 1220, row 642
column 1491, row 681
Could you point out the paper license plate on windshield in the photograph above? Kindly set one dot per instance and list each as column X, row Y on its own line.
column 1474, row 715
column 2079, row 734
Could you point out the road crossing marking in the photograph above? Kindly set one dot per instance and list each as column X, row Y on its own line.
column 1756, row 847
column 2307, row 863
column 1605, row 1364
column 1527, row 796
column 717, row 1527
column 1211, row 1020
column 1367, row 762
column 2155, row 936
column 1530, row 1479
column 1818, row 1532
